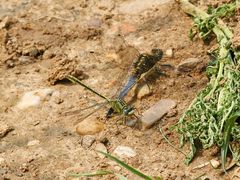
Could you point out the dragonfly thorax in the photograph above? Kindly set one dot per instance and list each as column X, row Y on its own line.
column 120, row 106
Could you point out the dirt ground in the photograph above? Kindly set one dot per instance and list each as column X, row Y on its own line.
column 41, row 41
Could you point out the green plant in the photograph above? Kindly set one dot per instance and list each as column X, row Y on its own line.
column 211, row 117
column 121, row 177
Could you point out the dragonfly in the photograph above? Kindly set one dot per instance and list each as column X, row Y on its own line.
column 140, row 67
column 142, row 64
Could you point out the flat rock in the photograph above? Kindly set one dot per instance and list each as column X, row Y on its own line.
column 87, row 141
column 4, row 129
column 101, row 147
column 156, row 112
column 124, row 151
column 34, row 98
column 138, row 6
column 188, row 64
column 89, row 127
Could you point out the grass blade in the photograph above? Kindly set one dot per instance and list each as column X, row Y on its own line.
column 227, row 132
column 126, row 166
column 92, row 174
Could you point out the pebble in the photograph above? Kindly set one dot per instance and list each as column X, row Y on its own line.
column 144, row 91
column 94, row 23
column 131, row 122
column 188, row 64
column 2, row 160
column 156, row 112
column 89, row 127
column 124, row 151
column 34, row 98
column 33, row 142
column 4, row 129
column 138, row 6
column 24, row 59
column 87, row 141
column 101, row 147
column 215, row 163
column 169, row 53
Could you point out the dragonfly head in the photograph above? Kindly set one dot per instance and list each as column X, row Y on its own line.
column 128, row 111
column 157, row 52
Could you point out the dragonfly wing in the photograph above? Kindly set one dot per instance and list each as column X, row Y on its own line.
column 128, row 55
column 96, row 107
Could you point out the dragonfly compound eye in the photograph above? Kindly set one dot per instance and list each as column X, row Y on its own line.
column 157, row 52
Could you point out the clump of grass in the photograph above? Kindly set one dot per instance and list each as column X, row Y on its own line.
column 119, row 176
column 211, row 119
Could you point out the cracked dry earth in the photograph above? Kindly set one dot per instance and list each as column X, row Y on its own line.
column 42, row 41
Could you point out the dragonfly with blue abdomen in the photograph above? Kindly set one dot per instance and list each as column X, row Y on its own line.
column 141, row 65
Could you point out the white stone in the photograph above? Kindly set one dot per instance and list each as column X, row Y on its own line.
column 33, row 142
column 101, row 147
column 34, row 98
column 124, row 151
column 169, row 53
column 215, row 163
column 2, row 160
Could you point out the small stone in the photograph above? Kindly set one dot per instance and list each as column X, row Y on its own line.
column 5, row 129
column 10, row 63
column 101, row 147
column 215, row 163
column 89, row 127
column 188, row 65
column 156, row 112
column 131, row 122
column 33, row 142
column 34, row 98
column 24, row 59
column 48, row 54
column 144, row 91
column 94, row 23
column 169, row 53
column 117, row 168
column 19, row 174
column 124, row 151
column 2, row 160
column 87, row 141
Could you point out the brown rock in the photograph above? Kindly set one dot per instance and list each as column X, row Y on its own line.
column 156, row 112
column 89, row 127
column 188, row 65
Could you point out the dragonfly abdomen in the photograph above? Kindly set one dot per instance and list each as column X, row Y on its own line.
column 131, row 81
